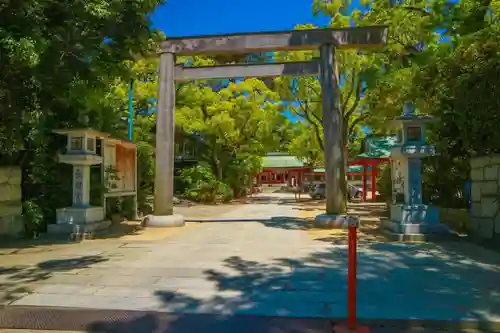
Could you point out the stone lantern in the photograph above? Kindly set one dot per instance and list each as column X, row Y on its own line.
column 81, row 153
column 410, row 219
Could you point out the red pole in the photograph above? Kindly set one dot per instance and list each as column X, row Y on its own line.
column 374, row 182
column 351, row 277
column 351, row 326
column 364, row 183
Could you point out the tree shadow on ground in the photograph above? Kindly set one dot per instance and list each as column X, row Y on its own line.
column 263, row 199
column 307, row 223
column 16, row 281
column 439, row 284
column 15, row 245
column 287, row 223
column 364, row 208
column 300, row 202
column 155, row 322
column 367, row 235
column 118, row 230
column 147, row 323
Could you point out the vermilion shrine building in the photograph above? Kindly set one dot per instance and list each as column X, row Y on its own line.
column 376, row 150
column 281, row 168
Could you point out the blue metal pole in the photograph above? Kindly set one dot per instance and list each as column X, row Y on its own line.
column 130, row 109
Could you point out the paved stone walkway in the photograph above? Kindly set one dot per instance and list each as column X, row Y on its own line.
column 270, row 268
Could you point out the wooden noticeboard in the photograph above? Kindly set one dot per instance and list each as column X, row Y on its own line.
column 120, row 163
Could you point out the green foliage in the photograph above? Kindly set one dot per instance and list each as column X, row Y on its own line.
column 454, row 81
column 202, row 186
column 384, row 183
column 128, row 208
column 357, row 72
column 33, row 218
column 70, row 50
column 306, row 148
column 60, row 61
column 145, row 171
column 464, row 89
column 197, row 175
column 226, row 194
column 234, row 125
column 240, row 172
column 459, row 86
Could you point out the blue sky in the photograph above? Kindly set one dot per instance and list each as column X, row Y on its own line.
column 202, row 17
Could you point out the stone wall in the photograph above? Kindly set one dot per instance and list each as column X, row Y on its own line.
column 11, row 223
column 485, row 216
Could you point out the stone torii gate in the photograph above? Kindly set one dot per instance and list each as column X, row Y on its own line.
column 327, row 40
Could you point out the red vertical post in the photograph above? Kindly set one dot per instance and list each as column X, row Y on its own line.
column 351, row 326
column 351, row 277
column 374, row 181
column 364, row 182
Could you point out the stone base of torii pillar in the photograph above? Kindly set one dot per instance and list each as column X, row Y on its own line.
column 327, row 221
column 164, row 221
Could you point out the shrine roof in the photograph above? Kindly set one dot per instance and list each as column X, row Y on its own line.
column 352, row 168
column 378, row 147
column 281, row 160
column 414, row 116
column 88, row 131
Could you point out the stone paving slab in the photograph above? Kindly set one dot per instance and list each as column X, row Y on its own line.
column 69, row 289
column 270, row 268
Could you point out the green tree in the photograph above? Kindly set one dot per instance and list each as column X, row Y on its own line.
column 441, row 78
column 356, row 74
column 58, row 60
column 304, row 147
column 234, row 124
column 460, row 88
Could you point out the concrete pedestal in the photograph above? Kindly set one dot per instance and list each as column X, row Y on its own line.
column 74, row 215
column 79, row 221
column 164, row 221
column 414, row 223
column 327, row 221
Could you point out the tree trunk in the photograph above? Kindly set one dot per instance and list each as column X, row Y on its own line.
column 219, row 172
column 217, row 168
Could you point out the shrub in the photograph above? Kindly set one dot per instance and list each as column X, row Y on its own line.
column 202, row 186
column 128, row 207
column 384, row 184
column 32, row 217
column 225, row 192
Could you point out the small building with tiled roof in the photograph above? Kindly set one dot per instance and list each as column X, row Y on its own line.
column 282, row 168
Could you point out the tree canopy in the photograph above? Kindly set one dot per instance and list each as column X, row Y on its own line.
column 59, row 62
column 234, row 124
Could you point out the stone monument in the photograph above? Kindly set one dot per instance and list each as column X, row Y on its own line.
column 410, row 219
